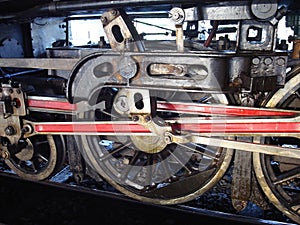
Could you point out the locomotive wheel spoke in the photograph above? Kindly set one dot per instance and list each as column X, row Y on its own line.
column 164, row 166
column 279, row 176
column 33, row 167
column 201, row 153
column 116, row 150
column 288, row 176
column 297, row 94
column 149, row 167
column 177, row 159
column 134, row 159
column 296, row 206
column 44, row 159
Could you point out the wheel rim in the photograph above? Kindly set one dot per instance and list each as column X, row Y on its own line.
column 46, row 158
column 279, row 176
column 173, row 174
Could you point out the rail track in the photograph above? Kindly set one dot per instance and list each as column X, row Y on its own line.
column 62, row 201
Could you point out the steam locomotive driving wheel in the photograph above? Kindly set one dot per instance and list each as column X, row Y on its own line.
column 279, row 176
column 149, row 168
column 41, row 158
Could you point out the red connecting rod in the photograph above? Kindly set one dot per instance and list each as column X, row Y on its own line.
column 220, row 120
column 53, row 104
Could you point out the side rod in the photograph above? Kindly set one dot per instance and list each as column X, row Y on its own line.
column 203, row 126
column 130, row 128
column 57, row 105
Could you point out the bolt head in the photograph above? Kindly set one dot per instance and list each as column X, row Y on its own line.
column 114, row 12
column 10, row 131
column 168, row 139
column 147, row 118
column 255, row 61
column 5, row 155
column 103, row 19
column 135, row 118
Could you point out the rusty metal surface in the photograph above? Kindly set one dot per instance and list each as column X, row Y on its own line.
column 241, row 179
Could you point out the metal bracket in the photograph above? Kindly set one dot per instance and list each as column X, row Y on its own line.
column 120, row 31
column 12, row 107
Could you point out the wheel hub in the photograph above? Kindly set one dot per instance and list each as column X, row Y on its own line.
column 26, row 153
column 149, row 144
